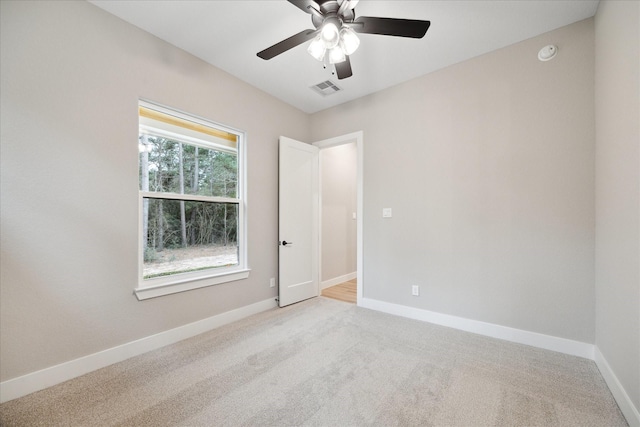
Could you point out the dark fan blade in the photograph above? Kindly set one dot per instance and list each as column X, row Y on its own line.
column 287, row 44
column 304, row 5
column 391, row 26
column 343, row 69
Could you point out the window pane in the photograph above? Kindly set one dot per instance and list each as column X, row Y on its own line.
column 171, row 166
column 183, row 236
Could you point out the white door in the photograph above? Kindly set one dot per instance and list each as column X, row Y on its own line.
column 298, row 222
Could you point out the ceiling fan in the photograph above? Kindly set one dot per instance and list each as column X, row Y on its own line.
column 334, row 36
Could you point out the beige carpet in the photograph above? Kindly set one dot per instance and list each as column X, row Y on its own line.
column 327, row 363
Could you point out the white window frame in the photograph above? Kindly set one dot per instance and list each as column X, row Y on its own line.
column 180, row 282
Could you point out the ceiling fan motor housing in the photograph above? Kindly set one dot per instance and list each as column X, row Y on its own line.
column 329, row 10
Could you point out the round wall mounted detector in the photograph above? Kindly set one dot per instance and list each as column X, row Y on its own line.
column 547, row 53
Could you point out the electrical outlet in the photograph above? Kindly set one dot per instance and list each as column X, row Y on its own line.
column 415, row 290
column 272, row 282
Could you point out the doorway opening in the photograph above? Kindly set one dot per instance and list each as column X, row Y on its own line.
column 340, row 223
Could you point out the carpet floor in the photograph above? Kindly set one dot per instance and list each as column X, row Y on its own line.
column 327, row 363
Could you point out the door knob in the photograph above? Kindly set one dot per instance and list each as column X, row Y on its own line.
column 285, row 243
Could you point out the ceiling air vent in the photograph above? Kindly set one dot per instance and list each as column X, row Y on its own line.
column 326, row 88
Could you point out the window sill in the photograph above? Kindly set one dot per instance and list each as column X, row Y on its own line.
column 146, row 292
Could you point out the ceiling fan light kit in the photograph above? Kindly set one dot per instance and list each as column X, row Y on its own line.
column 335, row 32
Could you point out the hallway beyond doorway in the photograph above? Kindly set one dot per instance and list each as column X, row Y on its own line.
column 342, row 292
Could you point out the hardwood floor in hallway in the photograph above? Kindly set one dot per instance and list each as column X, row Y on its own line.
column 342, row 292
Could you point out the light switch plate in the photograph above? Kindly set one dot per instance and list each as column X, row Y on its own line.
column 386, row 213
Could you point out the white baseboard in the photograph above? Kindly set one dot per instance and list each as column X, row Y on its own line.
column 625, row 404
column 337, row 280
column 548, row 342
column 26, row 384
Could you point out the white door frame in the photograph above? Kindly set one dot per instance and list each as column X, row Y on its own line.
column 358, row 138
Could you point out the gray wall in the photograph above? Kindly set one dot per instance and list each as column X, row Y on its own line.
column 617, row 77
column 488, row 166
column 71, row 78
column 338, row 187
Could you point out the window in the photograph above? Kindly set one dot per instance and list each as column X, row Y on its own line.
column 192, row 222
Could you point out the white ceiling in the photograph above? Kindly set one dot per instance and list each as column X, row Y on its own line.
column 228, row 34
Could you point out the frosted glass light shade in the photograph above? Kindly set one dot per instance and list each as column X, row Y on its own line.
column 349, row 40
column 330, row 35
column 317, row 49
column 336, row 55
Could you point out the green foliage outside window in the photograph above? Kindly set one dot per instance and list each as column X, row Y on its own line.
column 168, row 166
